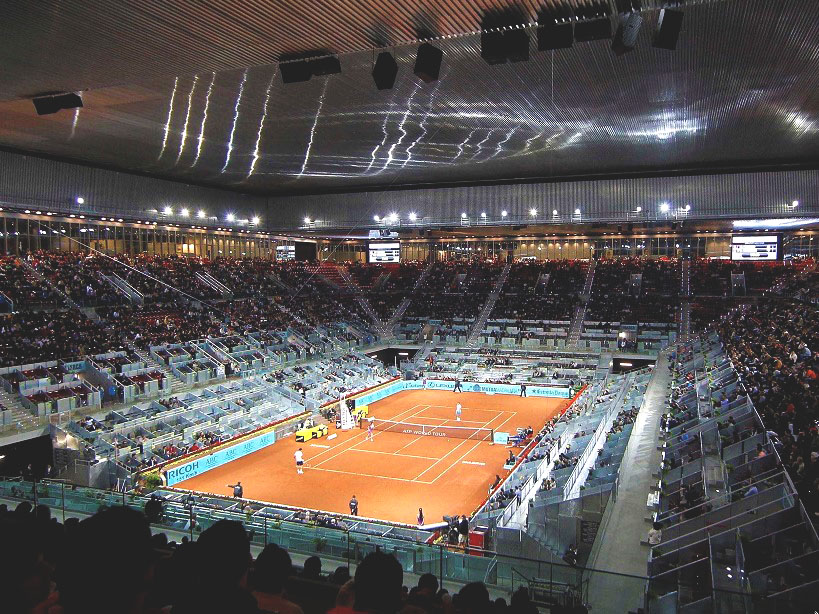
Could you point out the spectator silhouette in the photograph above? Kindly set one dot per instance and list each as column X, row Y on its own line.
column 272, row 569
column 312, row 568
column 224, row 558
column 521, row 604
column 472, row 599
column 378, row 581
column 106, row 564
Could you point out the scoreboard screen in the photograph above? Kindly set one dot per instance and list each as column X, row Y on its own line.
column 285, row 252
column 384, row 252
column 756, row 248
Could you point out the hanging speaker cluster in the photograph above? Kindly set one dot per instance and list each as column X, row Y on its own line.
column 668, row 29
column 560, row 27
column 503, row 39
column 428, row 63
column 51, row 103
column 385, row 71
column 628, row 28
column 301, row 67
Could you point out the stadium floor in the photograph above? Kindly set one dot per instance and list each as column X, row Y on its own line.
column 396, row 473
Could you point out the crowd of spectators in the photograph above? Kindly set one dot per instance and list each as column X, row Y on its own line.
column 617, row 296
column 712, row 277
column 78, row 276
column 110, row 562
column 177, row 305
column 23, row 288
column 774, row 349
column 541, row 290
column 39, row 336
column 398, row 285
column 623, row 419
column 455, row 290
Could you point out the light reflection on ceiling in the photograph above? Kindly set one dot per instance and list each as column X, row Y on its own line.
column 737, row 93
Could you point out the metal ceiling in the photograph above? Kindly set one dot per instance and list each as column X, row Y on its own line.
column 183, row 89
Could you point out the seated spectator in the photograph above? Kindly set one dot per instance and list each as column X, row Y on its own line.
column 378, row 581
column 312, row 568
column 270, row 573
column 222, row 572
column 89, row 553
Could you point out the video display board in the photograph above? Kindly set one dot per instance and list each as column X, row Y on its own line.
column 285, row 252
column 384, row 253
column 756, row 248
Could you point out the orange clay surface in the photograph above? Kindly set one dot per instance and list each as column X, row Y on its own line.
column 396, row 473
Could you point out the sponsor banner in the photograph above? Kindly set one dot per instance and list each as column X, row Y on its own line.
column 559, row 392
column 549, row 391
column 219, row 457
column 531, row 390
column 380, row 393
column 501, row 438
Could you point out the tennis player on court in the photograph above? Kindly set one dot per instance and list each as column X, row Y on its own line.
column 458, row 412
column 370, row 430
column 299, row 456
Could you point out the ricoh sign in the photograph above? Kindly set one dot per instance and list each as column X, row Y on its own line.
column 202, row 464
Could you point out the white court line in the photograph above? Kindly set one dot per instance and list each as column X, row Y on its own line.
column 435, row 479
column 423, row 408
column 397, row 452
column 363, row 433
column 497, row 415
column 391, row 453
column 464, row 407
column 369, row 475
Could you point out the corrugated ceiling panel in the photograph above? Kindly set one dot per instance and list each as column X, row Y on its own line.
column 710, row 196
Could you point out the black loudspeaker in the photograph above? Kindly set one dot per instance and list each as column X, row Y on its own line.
column 626, row 37
column 592, row 30
column 517, row 45
column 668, row 29
column 325, row 66
column 295, row 72
column 46, row 105
column 428, row 63
column 555, row 36
column 511, row 45
column 385, row 71
column 492, row 47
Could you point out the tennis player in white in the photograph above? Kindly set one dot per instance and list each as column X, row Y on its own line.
column 299, row 456
column 458, row 412
column 370, row 429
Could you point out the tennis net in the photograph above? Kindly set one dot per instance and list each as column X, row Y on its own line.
column 407, row 428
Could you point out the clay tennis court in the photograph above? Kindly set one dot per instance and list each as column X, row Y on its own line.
column 396, row 473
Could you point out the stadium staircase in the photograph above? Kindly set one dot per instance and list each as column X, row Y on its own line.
column 381, row 328
column 177, row 386
column 89, row 312
column 14, row 412
column 339, row 278
column 685, row 303
column 281, row 284
column 123, row 287
column 208, row 279
column 576, row 328
column 404, row 305
column 480, row 321
column 742, row 508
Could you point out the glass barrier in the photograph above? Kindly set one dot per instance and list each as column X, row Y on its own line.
column 684, row 589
